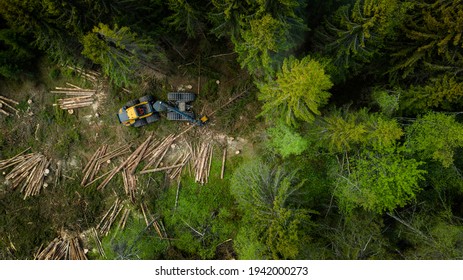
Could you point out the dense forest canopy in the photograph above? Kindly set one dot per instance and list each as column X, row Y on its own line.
column 354, row 114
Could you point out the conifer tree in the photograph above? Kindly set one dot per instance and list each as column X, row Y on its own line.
column 265, row 196
column 299, row 90
column 119, row 51
column 441, row 92
column 434, row 39
column 356, row 35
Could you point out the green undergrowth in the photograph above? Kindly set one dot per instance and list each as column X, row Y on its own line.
column 135, row 242
column 204, row 217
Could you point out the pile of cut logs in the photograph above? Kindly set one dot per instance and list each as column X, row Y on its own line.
column 152, row 152
column 77, row 97
column 98, row 159
column 157, row 154
column 128, row 168
column 29, row 171
column 202, row 162
column 63, row 249
column 7, row 104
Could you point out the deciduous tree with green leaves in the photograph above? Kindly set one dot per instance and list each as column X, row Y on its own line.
column 285, row 141
column 435, row 136
column 378, row 181
column 299, row 90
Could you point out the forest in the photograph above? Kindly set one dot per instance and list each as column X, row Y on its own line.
column 339, row 123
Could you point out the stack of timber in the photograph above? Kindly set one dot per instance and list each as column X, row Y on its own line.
column 98, row 159
column 130, row 184
column 202, row 162
column 63, row 249
column 151, row 151
column 76, row 97
column 6, row 105
column 29, row 172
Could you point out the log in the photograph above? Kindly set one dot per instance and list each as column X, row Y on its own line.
column 176, row 195
column 74, row 89
column 4, row 112
column 75, row 93
column 158, row 154
column 9, row 106
column 222, row 171
column 123, row 219
column 9, row 100
column 74, row 86
column 209, row 163
column 98, row 243
column 122, row 165
column 114, row 153
column 161, row 168
column 17, row 157
column 89, row 169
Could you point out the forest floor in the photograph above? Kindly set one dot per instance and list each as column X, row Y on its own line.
column 69, row 140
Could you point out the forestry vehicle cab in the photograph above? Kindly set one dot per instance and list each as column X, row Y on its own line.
column 146, row 109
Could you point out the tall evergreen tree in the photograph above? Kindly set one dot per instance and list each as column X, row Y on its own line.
column 299, row 90
column 119, row 51
column 434, row 44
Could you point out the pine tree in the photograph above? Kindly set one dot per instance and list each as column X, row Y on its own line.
column 343, row 131
column 299, row 90
column 441, row 92
column 187, row 16
column 265, row 196
column 265, row 38
column 262, row 31
column 434, row 42
column 357, row 35
column 119, row 51
column 285, row 141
